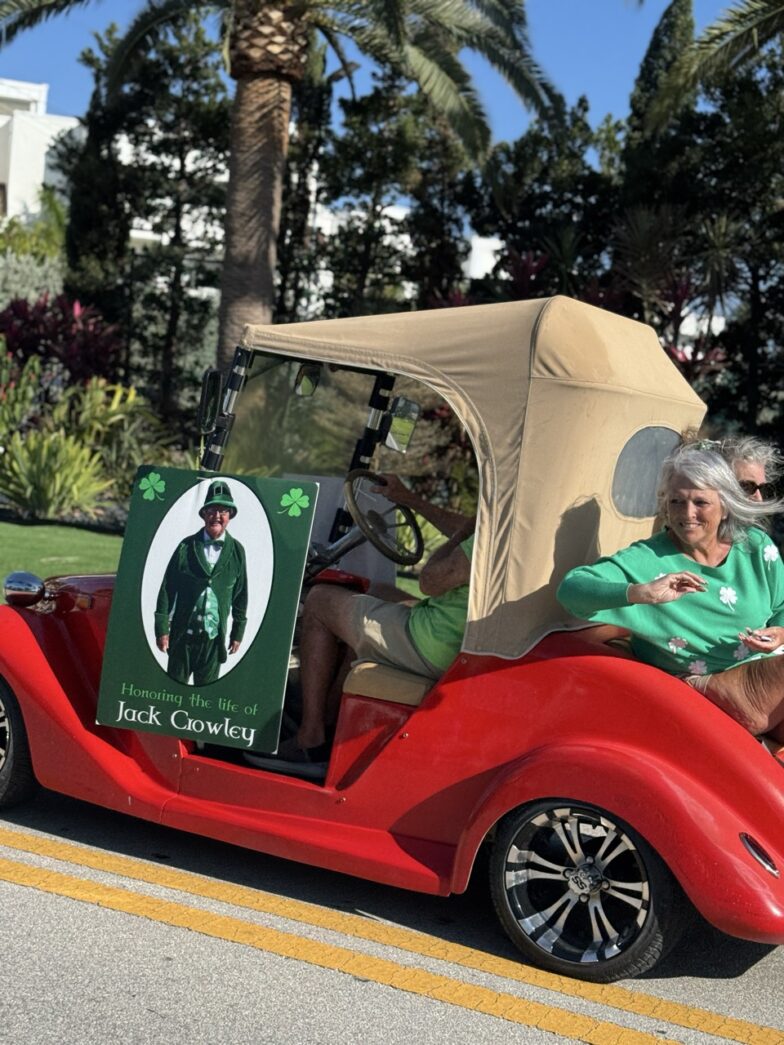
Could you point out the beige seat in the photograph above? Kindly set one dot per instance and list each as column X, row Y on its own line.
column 382, row 682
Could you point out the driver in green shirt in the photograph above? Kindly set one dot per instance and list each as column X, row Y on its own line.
column 421, row 636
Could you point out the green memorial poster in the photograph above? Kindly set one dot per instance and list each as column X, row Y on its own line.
column 204, row 606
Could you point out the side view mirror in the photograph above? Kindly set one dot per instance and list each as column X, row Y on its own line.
column 23, row 589
column 399, row 424
column 307, row 380
column 210, row 401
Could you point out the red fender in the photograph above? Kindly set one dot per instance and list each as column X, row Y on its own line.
column 685, row 822
column 69, row 752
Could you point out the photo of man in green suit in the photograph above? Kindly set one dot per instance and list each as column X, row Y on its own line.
column 205, row 582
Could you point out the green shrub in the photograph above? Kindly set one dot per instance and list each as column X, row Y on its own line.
column 28, row 277
column 118, row 424
column 47, row 475
column 41, row 237
column 20, row 392
column 44, row 422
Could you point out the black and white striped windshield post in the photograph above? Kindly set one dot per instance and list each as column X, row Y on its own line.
column 212, row 459
column 366, row 444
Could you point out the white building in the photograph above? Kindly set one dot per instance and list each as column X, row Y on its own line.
column 27, row 133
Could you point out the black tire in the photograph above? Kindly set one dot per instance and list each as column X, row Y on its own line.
column 580, row 893
column 17, row 780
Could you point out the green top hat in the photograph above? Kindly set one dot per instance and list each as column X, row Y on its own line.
column 220, row 494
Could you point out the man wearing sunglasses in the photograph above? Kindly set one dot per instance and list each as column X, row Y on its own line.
column 205, row 583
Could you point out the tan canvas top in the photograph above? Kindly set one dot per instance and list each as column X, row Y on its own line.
column 549, row 392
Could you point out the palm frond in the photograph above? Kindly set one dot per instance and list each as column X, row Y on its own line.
column 508, row 54
column 726, row 44
column 432, row 64
column 469, row 20
column 18, row 15
column 718, row 259
column 142, row 30
column 737, row 35
column 389, row 16
column 447, row 86
column 522, row 72
column 510, row 16
column 496, row 29
column 347, row 67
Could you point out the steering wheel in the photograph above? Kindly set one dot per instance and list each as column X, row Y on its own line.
column 399, row 539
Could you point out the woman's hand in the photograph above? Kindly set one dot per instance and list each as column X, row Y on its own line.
column 762, row 640
column 667, row 588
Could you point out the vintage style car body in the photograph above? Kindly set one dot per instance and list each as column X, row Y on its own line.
column 612, row 795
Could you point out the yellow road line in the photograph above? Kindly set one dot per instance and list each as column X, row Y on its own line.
column 392, row 936
column 327, row 956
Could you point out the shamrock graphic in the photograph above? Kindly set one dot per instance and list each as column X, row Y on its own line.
column 729, row 597
column 698, row 667
column 676, row 643
column 294, row 501
column 152, row 486
column 770, row 554
column 741, row 651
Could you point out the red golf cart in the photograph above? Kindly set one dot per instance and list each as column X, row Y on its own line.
column 611, row 796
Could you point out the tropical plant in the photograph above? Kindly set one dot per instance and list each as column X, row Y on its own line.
column 118, row 424
column 20, row 391
column 32, row 252
column 267, row 45
column 113, row 424
column 731, row 42
column 61, row 330
column 48, row 475
column 43, row 236
column 646, row 243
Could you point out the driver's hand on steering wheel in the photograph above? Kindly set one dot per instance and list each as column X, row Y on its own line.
column 395, row 489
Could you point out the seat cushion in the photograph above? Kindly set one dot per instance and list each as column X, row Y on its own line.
column 367, row 678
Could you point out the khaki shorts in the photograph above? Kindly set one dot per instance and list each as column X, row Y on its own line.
column 379, row 631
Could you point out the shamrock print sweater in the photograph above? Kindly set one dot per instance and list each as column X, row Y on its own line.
column 697, row 633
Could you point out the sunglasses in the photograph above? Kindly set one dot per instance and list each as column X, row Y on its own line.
column 749, row 487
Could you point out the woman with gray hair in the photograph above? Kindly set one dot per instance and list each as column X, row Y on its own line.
column 757, row 465
column 703, row 598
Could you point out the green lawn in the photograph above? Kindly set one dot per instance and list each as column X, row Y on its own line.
column 53, row 550
column 50, row 551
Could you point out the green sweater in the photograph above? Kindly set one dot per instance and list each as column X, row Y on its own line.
column 698, row 633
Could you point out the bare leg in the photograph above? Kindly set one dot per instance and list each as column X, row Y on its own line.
column 336, row 689
column 389, row 593
column 325, row 623
column 752, row 694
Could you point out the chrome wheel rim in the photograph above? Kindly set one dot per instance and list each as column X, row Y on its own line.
column 5, row 735
column 577, row 885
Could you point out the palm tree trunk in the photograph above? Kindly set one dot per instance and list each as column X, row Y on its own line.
column 259, row 143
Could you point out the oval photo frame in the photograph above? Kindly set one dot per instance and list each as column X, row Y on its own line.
column 249, row 526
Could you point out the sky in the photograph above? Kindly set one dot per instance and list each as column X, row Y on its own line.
column 591, row 47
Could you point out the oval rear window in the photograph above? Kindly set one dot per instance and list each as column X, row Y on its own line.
column 639, row 463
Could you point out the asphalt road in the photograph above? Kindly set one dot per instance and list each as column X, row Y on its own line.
column 114, row 930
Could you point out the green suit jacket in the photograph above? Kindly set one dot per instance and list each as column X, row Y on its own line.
column 186, row 577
